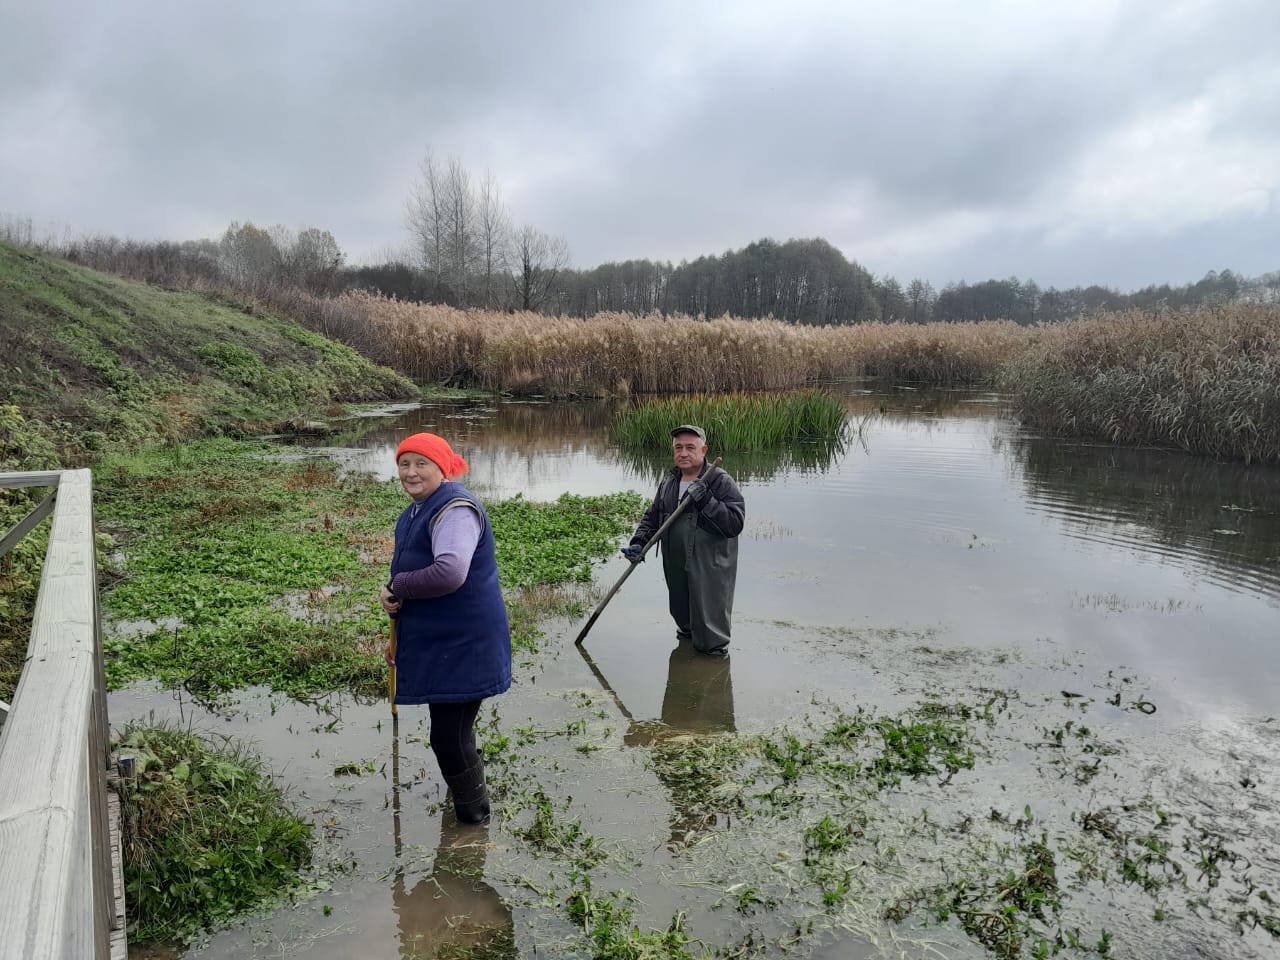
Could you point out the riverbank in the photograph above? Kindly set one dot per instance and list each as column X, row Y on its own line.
column 97, row 364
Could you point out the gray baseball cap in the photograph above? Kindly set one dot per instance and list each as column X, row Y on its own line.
column 690, row 428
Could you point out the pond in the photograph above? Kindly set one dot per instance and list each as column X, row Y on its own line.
column 943, row 555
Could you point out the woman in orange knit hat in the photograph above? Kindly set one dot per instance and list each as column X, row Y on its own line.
column 453, row 640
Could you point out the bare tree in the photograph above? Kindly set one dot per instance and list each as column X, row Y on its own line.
column 537, row 262
column 920, row 296
column 249, row 255
column 461, row 246
column 313, row 260
column 426, row 217
column 493, row 229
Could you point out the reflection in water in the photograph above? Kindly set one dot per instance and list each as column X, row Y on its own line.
column 525, row 432
column 698, row 701
column 1196, row 510
column 451, row 911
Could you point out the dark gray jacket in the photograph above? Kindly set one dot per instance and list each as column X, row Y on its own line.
column 724, row 512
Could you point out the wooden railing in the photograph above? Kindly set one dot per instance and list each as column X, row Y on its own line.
column 60, row 894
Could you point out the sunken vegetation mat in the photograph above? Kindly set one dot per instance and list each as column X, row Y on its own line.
column 992, row 825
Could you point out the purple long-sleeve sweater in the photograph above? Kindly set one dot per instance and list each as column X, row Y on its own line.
column 453, row 542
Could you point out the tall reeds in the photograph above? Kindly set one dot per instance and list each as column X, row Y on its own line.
column 1206, row 381
column 619, row 354
column 734, row 422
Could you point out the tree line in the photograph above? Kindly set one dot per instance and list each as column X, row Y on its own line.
column 811, row 282
column 466, row 251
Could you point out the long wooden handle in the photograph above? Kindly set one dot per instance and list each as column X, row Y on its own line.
column 391, row 682
column 631, row 566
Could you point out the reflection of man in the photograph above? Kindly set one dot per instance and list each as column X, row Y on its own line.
column 698, row 701
column 452, row 911
column 700, row 549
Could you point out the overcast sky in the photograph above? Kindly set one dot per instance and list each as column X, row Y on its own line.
column 1124, row 143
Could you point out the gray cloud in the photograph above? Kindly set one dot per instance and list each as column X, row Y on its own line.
column 925, row 139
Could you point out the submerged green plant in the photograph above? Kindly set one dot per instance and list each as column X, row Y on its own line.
column 607, row 921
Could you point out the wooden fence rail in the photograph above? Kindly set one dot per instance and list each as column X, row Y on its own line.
column 59, row 880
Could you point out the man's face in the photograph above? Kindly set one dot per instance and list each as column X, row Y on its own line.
column 690, row 452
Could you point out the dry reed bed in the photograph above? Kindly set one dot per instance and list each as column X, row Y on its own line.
column 1206, row 381
column 613, row 353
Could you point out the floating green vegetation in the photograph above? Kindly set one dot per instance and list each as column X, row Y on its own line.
column 736, row 422
column 817, row 827
column 243, row 566
column 999, row 911
column 607, row 921
column 549, row 833
column 554, row 543
column 206, row 834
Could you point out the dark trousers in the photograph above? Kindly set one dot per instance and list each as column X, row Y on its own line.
column 453, row 736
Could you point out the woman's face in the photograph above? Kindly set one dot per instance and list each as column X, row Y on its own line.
column 419, row 476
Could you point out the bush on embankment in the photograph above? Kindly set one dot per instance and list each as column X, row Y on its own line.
column 614, row 353
column 1205, row 381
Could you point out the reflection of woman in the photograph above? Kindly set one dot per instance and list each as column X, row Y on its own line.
column 454, row 643
column 453, row 912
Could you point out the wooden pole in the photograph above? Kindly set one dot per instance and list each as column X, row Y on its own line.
column 391, row 681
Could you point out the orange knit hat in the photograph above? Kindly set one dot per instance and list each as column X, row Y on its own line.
column 437, row 450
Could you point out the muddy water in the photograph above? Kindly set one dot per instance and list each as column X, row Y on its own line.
column 943, row 554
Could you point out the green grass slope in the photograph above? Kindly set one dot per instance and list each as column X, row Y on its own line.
column 90, row 362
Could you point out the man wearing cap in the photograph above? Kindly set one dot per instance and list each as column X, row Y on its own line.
column 699, row 550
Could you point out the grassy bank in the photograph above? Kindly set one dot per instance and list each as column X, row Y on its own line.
column 103, row 362
column 96, row 364
column 1207, row 381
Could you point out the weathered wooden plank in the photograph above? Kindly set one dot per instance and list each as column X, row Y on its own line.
column 43, row 478
column 46, row 824
column 119, row 941
column 66, row 606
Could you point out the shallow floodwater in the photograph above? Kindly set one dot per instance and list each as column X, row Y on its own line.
column 943, row 550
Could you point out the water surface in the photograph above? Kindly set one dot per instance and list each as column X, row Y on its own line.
column 944, row 549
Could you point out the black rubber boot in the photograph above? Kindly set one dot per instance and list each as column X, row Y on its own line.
column 470, row 795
